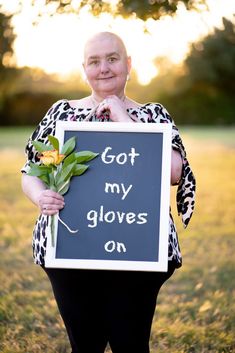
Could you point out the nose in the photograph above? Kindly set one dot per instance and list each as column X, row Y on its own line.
column 104, row 67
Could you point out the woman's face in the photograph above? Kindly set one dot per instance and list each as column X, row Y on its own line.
column 106, row 65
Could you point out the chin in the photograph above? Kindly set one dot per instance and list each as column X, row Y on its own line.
column 108, row 90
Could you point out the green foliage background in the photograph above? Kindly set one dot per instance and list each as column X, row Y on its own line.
column 206, row 93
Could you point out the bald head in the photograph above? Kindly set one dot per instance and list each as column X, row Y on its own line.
column 106, row 64
column 102, row 37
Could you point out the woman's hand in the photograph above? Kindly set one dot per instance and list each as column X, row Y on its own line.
column 116, row 108
column 50, row 202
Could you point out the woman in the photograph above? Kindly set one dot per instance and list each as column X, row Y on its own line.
column 106, row 306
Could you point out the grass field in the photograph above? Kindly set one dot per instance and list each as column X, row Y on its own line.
column 196, row 309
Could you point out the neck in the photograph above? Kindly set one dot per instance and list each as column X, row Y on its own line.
column 98, row 98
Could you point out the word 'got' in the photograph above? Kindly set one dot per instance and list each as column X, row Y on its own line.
column 121, row 158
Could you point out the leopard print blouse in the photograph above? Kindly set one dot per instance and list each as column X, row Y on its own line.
column 147, row 113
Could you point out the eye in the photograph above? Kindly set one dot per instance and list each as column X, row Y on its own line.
column 94, row 62
column 112, row 59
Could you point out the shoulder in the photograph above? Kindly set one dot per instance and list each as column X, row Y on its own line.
column 156, row 112
column 60, row 105
column 56, row 109
column 59, row 110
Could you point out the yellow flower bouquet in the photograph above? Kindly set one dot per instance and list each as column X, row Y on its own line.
column 57, row 167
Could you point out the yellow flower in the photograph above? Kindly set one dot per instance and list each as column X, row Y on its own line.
column 51, row 157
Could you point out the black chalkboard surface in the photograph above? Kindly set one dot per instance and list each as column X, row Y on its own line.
column 120, row 205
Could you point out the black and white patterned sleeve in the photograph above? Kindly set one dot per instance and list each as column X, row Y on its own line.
column 45, row 127
column 185, row 197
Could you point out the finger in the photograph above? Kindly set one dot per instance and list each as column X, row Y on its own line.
column 44, row 207
column 51, row 200
column 51, row 193
column 51, row 203
column 52, row 206
column 104, row 106
column 51, row 209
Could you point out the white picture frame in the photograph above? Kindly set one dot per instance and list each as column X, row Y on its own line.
column 52, row 260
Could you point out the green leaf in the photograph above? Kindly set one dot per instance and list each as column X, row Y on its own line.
column 66, row 173
column 64, row 187
column 42, row 172
column 41, row 147
column 54, row 141
column 85, row 156
column 69, row 146
column 79, row 169
column 37, row 170
column 45, row 179
column 69, row 159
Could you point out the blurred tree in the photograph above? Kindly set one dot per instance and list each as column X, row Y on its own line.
column 205, row 93
column 143, row 9
column 211, row 61
column 6, row 40
column 8, row 74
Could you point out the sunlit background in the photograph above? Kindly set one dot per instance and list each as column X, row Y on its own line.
column 184, row 59
column 55, row 43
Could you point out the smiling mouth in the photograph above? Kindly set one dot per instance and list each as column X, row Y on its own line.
column 105, row 78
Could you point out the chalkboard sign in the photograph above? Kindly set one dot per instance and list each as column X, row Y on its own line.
column 120, row 205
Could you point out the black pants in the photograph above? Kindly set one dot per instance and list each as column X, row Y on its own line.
column 107, row 306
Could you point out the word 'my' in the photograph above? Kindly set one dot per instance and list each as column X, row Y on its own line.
column 116, row 188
